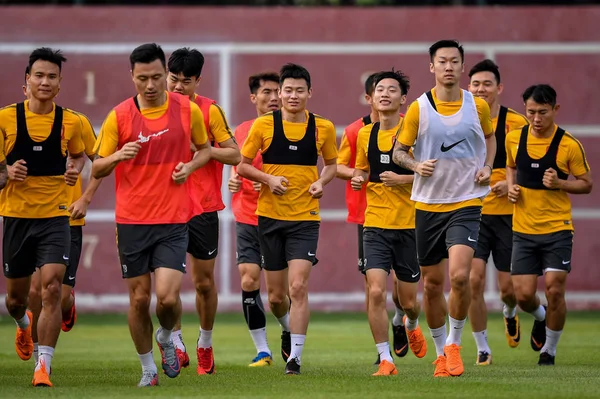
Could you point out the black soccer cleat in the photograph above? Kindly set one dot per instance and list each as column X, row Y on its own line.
column 538, row 335
column 400, row 341
column 546, row 359
column 292, row 367
column 286, row 345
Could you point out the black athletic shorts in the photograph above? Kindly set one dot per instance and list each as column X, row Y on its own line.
column 392, row 249
column 204, row 236
column 247, row 246
column 28, row 244
column 436, row 232
column 495, row 237
column 75, row 255
column 535, row 253
column 361, row 250
column 284, row 240
column 145, row 247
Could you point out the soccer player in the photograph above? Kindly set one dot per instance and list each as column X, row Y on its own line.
column 290, row 141
column 495, row 231
column 389, row 235
column 454, row 148
column 263, row 94
column 356, row 203
column 43, row 146
column 146, row 140
column 539, row 159
column 185, row 69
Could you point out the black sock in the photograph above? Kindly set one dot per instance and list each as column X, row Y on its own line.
column 254, row 311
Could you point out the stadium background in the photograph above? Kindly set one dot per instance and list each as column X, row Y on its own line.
column 340, row 47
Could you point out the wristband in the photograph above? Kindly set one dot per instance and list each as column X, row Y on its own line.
column 491, row 170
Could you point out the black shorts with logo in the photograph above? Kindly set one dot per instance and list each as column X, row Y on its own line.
column 247, row 246
column 204, row 236
column 535, row 253
column 361, row 250
column 436, row 232
column 145, row 247
column 28, row 244
column 392, row 249
column 284, row 240
column 75, row 255
column 495, row 237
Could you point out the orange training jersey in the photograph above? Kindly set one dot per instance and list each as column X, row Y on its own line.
column 245, row 201
column 145, row 190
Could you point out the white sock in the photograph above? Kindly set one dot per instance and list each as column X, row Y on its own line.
column 539, row 314
column 297, row 346
column 411, row 325
column 456, row 329
column 178, row 340
column 552, row 338
column 509, row 312
column 205, row 339
column 259, row 337
column 439, row 339
column 23, row 322
column 397, row 320
column 35, row 352
column 384, row 351
column 147, row 362
column 285, row 322
column 482, row 341
column 45, row 357
column 163, row 335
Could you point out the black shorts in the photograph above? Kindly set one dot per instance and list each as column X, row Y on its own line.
column 397, row 249
column 534, row 253
column 145, row 247
column 361, row 251
column 204, row 236
column 28, row 244
column 284, row 240
column 495, row 237
column 436, row 232
column 247, row 246
column 75, row 255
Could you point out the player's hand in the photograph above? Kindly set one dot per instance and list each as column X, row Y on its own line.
column 78, row 209
column 513, row 193
column 234, row 184
column 389, row 179
column 71, row 175
column 426, row 168
column 356, row 183
column 550, row 179
column 483, row 176
column 17, row 171
column 316, row 189
column 500, row 188
column 181, row 173
column 129, row 151
column 278, row 184
column 257, row 186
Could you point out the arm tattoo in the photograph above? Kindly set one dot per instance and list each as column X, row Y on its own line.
column 3, row 174
column 403, row 158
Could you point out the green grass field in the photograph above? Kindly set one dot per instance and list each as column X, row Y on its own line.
column 97, row 359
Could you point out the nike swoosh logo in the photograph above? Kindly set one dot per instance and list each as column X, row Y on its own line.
column 71, row 278
column 445, row 149
column 414, row 275
column 309, row 254
column 566, row 263
column 211, row 252
column 470, row 239
column 65, row 257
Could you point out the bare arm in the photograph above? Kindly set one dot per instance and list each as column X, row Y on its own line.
column 228, row 153
column 402, row 157
column 201, row 157
column 581, row 185
column 78, row 161
column 344, row 172
column 247, row 170
column 102, row 167
column 329, row 171
column 3, row 174
column 490, row 146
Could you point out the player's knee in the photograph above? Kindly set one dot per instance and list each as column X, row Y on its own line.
column 35, row 294
column 276, row 299
column 204, row 285
column 554, row 294
column 408, row 304
column 250, row 283
column 432, row 288
column 168, row 301
column 459, row 280
column 507, row 294
column 140, row 302
column 15, row 303
column 298, row 290
column 51, row 293
column 526, row 299
column 377, row 294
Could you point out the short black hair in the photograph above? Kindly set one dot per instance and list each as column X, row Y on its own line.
column 254, row 80
column 370, row 84
column 486, row 65
column 400, row 77
column 187, row 61
column 446, row 44
column 27, row 71
column 47, row 54
column 541, row 94
column 294, row 71
column 147, row 53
